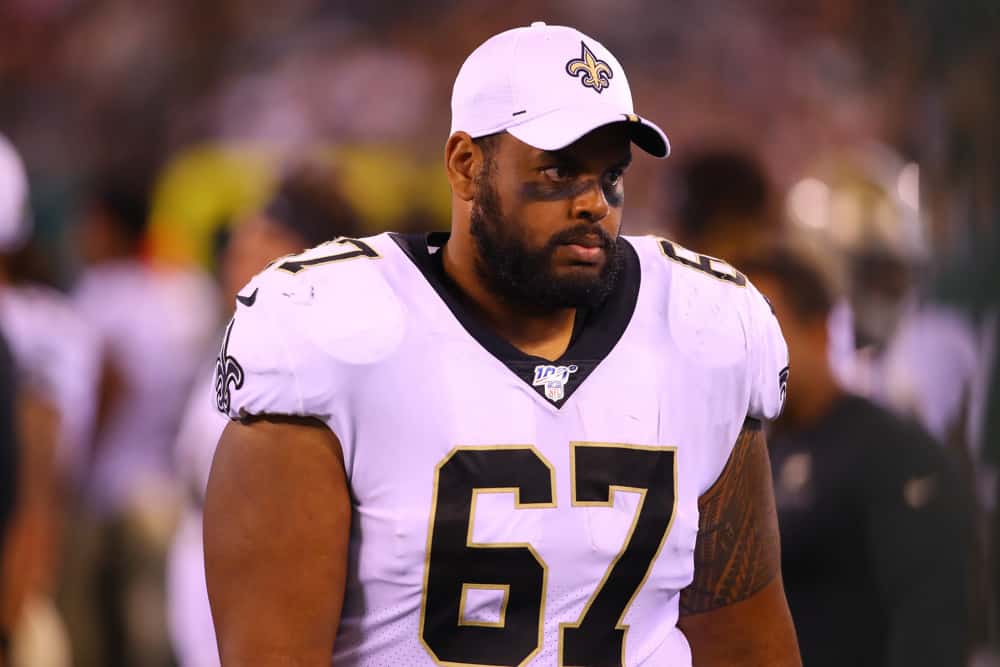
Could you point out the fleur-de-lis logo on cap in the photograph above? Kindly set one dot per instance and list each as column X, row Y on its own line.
column 596, row 73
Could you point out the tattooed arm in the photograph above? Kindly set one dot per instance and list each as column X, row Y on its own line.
column 734, row 613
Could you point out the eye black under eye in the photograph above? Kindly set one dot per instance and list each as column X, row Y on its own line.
column 557, row 173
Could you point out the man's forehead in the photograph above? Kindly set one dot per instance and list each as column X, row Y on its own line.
column 605, row 144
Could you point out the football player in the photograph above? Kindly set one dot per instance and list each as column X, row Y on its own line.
column 531, row 441
column 56, row 357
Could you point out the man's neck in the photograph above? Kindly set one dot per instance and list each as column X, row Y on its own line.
column 539, row 334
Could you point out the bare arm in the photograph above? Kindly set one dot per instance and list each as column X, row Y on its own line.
column 734, row 613
column 29, row 561
column 277, row 522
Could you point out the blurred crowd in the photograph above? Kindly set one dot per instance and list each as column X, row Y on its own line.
column 156, row 155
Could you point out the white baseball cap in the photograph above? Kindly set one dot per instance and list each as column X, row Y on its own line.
column 15, row 223
column 548, row 86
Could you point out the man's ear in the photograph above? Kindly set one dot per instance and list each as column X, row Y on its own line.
column 463, row 160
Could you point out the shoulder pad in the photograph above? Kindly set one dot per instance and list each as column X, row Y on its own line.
column 300, row 325
column 717, row 316
column 705, row 298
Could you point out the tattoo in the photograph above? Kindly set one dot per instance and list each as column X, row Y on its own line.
column 738, row 550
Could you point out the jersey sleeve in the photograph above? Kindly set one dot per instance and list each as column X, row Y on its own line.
column 767, row 358
column 255, row 371
column 306, row 332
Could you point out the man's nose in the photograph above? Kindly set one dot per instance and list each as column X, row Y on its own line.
column 591, row 204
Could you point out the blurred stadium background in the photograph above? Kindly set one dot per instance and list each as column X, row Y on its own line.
column 874, row 124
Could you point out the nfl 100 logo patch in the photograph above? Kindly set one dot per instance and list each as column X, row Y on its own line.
column 554, row 379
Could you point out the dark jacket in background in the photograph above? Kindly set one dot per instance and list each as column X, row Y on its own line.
column 876, row 541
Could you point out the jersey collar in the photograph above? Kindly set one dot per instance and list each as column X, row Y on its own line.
column 595, row 333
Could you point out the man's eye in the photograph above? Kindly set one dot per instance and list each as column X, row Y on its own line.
column 614, row 177
column 557, row 174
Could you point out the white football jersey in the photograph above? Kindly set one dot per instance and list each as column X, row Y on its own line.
column 155, row 324
column 59, row 355
column 510, row 510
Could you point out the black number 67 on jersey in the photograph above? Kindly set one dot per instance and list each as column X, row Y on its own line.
column 455, row 562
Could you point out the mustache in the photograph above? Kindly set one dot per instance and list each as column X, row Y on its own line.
column 583, row 232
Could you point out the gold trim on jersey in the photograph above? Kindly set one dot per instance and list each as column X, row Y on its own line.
column 693, row 260
column 357, row 253
column 485, row 587
column 612, row 489
column 491, row 545
column 296, row 254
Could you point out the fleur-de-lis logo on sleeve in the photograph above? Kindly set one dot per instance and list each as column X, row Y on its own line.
column 596, row 73
column 227, row 372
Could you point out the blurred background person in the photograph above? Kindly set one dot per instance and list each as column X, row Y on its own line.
column 306, row 209
column 876, row 526
column 56, row 359
column 52, row 344
column 722, row 202
column 913, row 354
column 154, row 322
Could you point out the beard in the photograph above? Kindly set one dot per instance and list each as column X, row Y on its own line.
column 525, row 277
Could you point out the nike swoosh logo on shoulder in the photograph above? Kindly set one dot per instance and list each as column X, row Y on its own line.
column 248, row 300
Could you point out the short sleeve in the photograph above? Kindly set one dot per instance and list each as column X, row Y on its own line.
column 302, row 340
column 767, row 358
column 255, row 372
